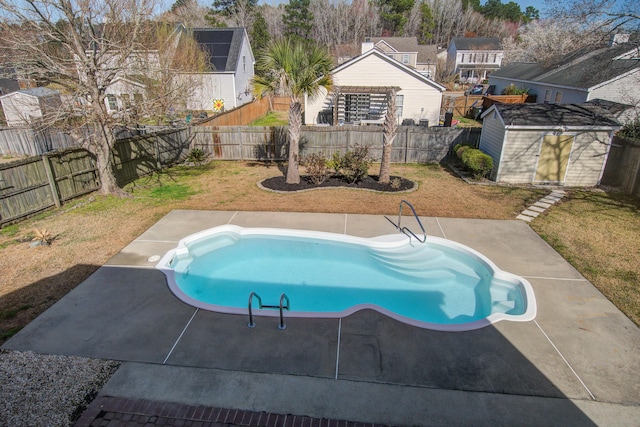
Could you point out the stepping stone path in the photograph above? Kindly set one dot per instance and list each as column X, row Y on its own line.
column 540, row 206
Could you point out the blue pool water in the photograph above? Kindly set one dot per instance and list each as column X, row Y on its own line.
column 428, row 283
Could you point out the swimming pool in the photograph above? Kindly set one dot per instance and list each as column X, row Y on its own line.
column 439, row 284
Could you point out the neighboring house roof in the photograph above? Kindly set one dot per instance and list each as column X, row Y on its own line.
column 582, row 71
column 392, row 61
column 554, row 115
column 476, row 43
column 425, row 53
column 38, row 92
column 222, row 45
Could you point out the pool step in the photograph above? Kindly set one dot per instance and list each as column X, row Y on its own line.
column 503, row 306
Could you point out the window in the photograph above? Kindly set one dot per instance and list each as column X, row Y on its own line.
column 547, row 96
column 399, row 105
column 558, row 98
column 126, row 100
column 462, row 58
column 111, row 99
column 405, row 58
column 244, row 63
column 137, row 98
column 495, row 58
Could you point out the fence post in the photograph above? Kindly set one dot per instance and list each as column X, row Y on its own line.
column 406, row 144
column 52, row 180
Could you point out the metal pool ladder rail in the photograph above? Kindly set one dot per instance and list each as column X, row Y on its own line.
column 280, row 307
column 406, row 230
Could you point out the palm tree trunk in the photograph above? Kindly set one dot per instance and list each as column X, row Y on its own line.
column 390, row 129
column 295, row 122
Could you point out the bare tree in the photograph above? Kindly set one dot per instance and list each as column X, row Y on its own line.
column 187, row 12
column 84, row 47
column 546, row 41
column 610, row 15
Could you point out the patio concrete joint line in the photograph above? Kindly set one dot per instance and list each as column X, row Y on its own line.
column 565, row 360
column 346, row 216
column 338, row 349
column 180, row 337
column 232, row 217
column 444, row 236
column 531, row 212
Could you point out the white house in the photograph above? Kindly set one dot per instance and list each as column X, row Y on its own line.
column 231, row 69
column 23, row 107
column 611, row 73
column 360, row 89
column 423, row 58
column 555, row 144
column 474, row 58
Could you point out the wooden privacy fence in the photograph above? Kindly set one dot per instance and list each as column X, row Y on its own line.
column 413, row 144
column 31, row 185
column 623, row 166
column 29, row 142
column 142, row 155
column 248, row 113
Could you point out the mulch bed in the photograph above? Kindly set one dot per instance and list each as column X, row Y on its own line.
column 278, row 183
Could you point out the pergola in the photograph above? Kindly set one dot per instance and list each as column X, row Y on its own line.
column 364, row 104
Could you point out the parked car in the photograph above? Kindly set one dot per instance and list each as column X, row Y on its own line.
column 476, row 90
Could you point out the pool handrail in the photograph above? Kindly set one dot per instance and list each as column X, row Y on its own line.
column 405, row 230
column 280, row 307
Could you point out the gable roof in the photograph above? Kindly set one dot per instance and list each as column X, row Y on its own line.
column 580, row 71
column 38, row 92
column 391, row 61
column 548, row 116
column 410, row 44
column 222, row 46
column 476, row 43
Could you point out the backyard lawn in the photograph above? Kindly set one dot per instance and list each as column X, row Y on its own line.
column 590, row 229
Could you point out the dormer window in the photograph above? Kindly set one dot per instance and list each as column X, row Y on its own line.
column 405, row 58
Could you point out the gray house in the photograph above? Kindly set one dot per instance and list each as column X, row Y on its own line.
column 474, row 58
column 565, row 144
column 611, row 73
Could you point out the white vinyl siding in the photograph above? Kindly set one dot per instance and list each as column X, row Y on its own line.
column 371, row 71
column 588, row 156
column 491, row 140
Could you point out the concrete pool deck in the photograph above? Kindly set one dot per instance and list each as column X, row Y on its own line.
column 576, row 364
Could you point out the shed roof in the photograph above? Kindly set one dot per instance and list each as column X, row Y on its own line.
column 554, row 115
column 39, row 92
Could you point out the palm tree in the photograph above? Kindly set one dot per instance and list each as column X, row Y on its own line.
column 293, row 69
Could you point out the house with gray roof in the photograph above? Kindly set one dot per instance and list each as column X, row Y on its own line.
column 25, row 107
column 611, row 73
column 231, row 69
column 407, row 51
column 556, row 144
column 474, row 58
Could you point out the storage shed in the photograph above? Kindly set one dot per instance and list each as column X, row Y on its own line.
column 560, row 144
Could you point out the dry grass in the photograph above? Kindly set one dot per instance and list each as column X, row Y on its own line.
column 599, row 234
column 88, row 235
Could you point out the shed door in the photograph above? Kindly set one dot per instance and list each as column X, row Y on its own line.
column 554, row 158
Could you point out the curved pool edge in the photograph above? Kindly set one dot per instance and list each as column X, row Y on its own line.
column 383, row 241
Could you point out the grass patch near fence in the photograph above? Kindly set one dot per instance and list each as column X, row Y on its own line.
column 273, row 118
column 598, row 233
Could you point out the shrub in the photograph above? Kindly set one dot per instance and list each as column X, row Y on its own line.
column 317, row 169
column 513, row 90
column 459, row 149
column 631, row 130
column 354, row 165
column 479, row 163
column 196, row 156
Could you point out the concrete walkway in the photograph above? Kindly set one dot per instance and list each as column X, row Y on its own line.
column 575, row 364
